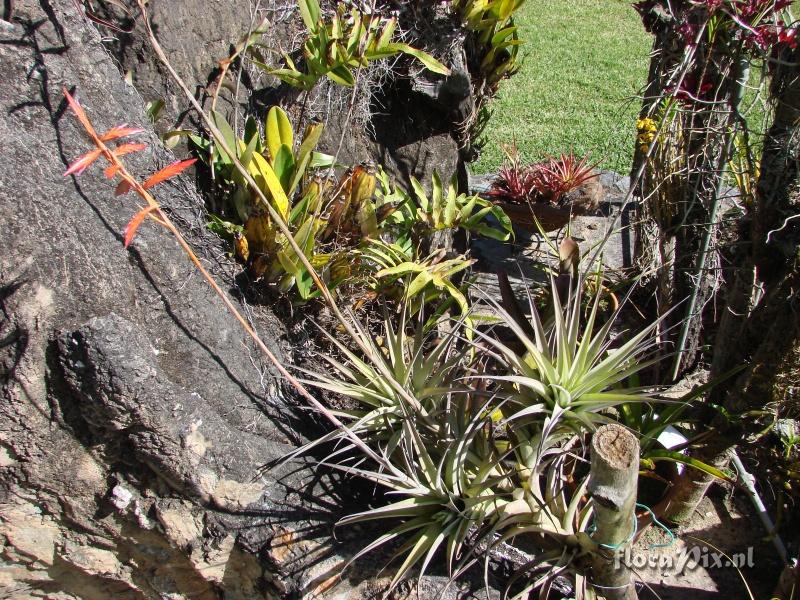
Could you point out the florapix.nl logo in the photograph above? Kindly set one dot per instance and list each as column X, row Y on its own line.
column 685, row 559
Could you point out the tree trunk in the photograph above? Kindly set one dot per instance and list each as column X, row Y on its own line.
column 612, row 483
column 678, row 191
column 766, row 337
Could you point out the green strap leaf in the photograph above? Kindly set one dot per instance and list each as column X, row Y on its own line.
column 227, row 133
column 418, row 284
column 311, row 13
column 426, row 59
column 671, row 455
column 278, row 132
column 283, row 165
column 269, row 182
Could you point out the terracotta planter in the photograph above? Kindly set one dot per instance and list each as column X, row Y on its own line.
column 550, row 217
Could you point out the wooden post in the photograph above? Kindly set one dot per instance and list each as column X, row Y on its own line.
column 612, row 484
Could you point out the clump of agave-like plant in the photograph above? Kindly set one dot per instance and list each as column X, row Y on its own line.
column 481, row 440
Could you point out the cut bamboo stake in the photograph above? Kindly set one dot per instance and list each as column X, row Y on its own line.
column 612, row 484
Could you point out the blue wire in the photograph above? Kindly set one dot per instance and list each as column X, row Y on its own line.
column 636, row 529
column 617, row 546
column 661, row 525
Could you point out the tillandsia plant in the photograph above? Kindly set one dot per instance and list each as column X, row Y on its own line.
column 348, row 42
column 487, row 442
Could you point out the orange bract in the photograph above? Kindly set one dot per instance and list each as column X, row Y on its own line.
column 80, row 113
column 118, row 132
column 82, row 163
column 135, row 222
column 168, row 172
column 123, row 149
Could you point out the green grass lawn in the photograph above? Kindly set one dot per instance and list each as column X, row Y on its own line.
column 585, row 62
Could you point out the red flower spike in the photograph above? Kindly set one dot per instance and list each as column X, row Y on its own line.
column 123, row 188
column 168, row 172
column 135, row 222
column 118, row 132
column 123, row 149
column 80, row 165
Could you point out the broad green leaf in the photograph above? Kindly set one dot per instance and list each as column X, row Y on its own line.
column 422, row 197
column 320, row 160
column 283, row 165
column 247, row 154
column 418, row 284
column 401, row 269
column 341, row 75
column 278, row 131
column 268, row 182
column 502, row 34
column 293, row 77
column 451, row 207
column 386, row 35
column 304, row 155
column 241, row 202
column 436, row 199
column 355, row 38
column 251, row 131
column 491, row 232
column 311, row 13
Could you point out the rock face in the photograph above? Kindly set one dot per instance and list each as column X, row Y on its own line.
column 132, row 414
column 135, row 416
column 409, row 133
column 386, row 121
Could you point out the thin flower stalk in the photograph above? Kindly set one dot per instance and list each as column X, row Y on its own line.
column 154, row 212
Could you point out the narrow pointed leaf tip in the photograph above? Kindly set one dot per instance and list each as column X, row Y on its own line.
column 133, row 225
column 168, row 172
column 79, row 112
column 82, row 163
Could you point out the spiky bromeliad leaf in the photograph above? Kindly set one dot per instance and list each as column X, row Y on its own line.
column 569, row 365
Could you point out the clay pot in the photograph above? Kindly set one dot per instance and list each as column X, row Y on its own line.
column 551, row 218
column 582, row 200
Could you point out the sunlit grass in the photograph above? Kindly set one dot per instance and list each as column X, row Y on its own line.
column 585, row 62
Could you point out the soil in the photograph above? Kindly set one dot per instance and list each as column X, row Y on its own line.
column 724, row 523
